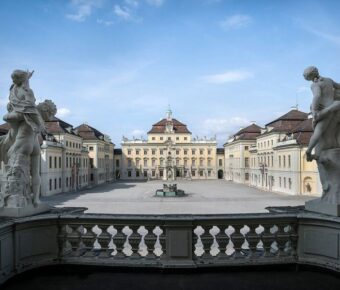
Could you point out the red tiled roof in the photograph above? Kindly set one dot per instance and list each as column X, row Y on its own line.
column 56, row 125
column 89, row 133
column 248, row 133
column 292, row 115
column 160, row 127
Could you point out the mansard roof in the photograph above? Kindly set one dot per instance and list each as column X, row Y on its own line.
column 292, row 115
column 89, row 133
column 160, row 127
column 248, row 133
column 56, row 125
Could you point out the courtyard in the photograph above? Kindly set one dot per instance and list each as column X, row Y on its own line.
column 203, row 197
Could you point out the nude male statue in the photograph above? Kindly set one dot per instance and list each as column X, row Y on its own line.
column 324, row 106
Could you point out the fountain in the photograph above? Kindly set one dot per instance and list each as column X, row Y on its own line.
column 169, row 189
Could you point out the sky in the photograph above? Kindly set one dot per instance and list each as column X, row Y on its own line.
column 118, row 64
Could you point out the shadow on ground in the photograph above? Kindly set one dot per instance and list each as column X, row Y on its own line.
column 89, row 278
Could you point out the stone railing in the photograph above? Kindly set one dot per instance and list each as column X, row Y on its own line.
column 67, row 236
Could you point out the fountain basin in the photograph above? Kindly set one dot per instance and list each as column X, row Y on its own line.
column 170, row 190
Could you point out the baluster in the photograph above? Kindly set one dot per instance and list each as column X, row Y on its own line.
column 253, row 239
column 134, row 241
column 223, row 241
column 238, row 239
column 281, row 239
column 267, row 239
column 162, row 242
column 150, row 241
column 89, row 239
column 104, row 239
column 207, row 241
column 119, row 240
column 64, row 244
column 293, row 238
column 74, row 240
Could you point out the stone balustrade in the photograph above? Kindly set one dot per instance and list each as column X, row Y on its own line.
column 68, row 236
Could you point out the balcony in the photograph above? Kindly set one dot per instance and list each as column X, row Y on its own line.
column 68, row 236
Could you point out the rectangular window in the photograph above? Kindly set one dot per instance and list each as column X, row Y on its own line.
column 289, row 161
column 209, row 162
column 145, row 163
column 193, row 172
column 201, row 173
column 137, row 152
column 153, row 138
column 161, row 138
column 145, row 152
column 220, row 162
column 55, row 183
column 129, row 173
column 246, row 176
column 246, row 148
column 284, row 161
column 129, row 152
column 279, row 161
column 153, row 152
column 137, row 173
column 185, row 138
column 59, row 162
column 185, row 152
column 91, row 148
column 153, row 173
column 153, row 162
column 201, row 152
column 59, row 182
column 201, row 162
column 50, row 184
column 209, row 173
column 193, row 151
column 185, row 162
column 161, row 173
column 129, row 163
column 50, row 162
column 161, row 152
column 246, row 162
column 117, row 162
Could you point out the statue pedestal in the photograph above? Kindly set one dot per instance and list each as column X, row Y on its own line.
column 329, row 170
column 320, row 206
column 28, row 210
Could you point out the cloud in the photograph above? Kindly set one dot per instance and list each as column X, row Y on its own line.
column 225, row 126
column 124, row 13
column 156, row 3
column 137, row 133
column 227, row 77
column 84, row 9
column 63, row 112
column 327, row 36
column 105, row 22
column 132, row 3
column 236, row 21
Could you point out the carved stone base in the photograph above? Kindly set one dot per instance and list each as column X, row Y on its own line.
column 320, row 206
column 24, row 211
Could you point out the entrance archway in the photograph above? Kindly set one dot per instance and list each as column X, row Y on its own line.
column 220, row 174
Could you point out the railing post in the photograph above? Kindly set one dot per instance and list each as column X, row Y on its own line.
column 179, row 248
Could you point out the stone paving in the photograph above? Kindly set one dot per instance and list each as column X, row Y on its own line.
column 204, row 197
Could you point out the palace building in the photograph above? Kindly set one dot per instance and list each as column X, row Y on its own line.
column 168, row 139
column 273, row 158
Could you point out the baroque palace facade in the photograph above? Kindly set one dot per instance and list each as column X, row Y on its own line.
column 273, row 158
column 72, row 158
column 193, row 158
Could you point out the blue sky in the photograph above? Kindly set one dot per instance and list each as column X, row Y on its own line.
column 220, row 64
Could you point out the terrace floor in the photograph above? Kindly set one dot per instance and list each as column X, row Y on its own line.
column 204, row 197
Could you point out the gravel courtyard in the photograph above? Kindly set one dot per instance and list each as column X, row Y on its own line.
column 204, row 197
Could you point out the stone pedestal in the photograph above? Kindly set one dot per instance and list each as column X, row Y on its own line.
column 320, row 206
column 28, row 210
column 329, row 170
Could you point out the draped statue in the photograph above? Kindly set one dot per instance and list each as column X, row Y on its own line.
column 20, row 148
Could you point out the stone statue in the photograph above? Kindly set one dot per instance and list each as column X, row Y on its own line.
column 20, row 148
column 325, row 140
